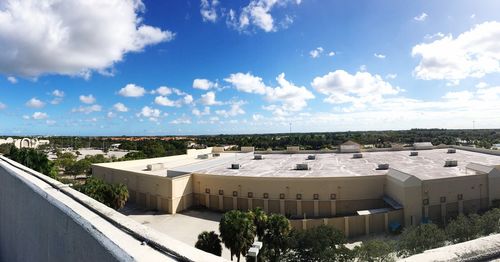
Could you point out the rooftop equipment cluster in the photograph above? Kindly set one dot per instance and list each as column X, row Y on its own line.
column 357, row 155
column 450, row 163
column 154, row 167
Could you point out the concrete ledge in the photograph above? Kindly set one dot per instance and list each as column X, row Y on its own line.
column 481, row 249
column 99, row 233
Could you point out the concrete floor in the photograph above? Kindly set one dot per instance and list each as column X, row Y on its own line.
column 184, row 227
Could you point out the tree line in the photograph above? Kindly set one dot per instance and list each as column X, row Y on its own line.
column 239, row 230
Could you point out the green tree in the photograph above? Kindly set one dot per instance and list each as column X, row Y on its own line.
column 275, row 239
column 417, row 239
column 209, row 242
column 322, row 243
column 490, row 222
column 112, row 195
column 463, row 228
column 237, row 231
column 78, row 167
column 375, row 251
column 33, row 159
column 260, row 221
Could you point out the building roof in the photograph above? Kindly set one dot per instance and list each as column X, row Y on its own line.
column 428, row 164
column 350, row 143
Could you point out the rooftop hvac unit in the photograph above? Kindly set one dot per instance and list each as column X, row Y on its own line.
column 450, row 163
column 154, row 167
column 216, row 155
column 413, row 153
column 311, row 157
column 302, row 167
column 452, row 151
column 203, row 156
column 357, row 155
column 257, row 157
column 383, row 166
column 235, row 166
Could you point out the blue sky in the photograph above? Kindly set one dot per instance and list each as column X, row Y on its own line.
column 126, row 67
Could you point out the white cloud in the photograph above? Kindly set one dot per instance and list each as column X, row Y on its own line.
column 163, row 90
column 203, row 84
column 391, row 76
column 258, row 14
column 181, row 120
column 208, row 10
column 90, row 99
column 120, row 107
column 188, row 99
column 247, row 83
column 482, row 85
column 257, row 117
column 164, row 101
column 292, row 97
column 358, row 89
column 39, row 115
column 381, row 56
column 12, row 80
column 315, row 53
column 436, row 35
column 2, row 106
column 35, row 103
column 58, row 93
column 151, row 113
column 420, row 18
column 132, row 90
column 71, row 37
column 208, row 99
column 474, row 53
column 331, row 53
column 234, row 110
column 197, row 112
column 87, row 109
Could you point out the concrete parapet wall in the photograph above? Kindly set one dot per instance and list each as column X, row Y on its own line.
column 479, row 150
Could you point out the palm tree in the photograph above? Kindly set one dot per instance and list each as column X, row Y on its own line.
column 276, row 236
column 237, row 231
column 209, row 242
column 260, row 221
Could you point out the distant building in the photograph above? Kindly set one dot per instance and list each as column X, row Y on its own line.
column 350, row 147
column 25, row 142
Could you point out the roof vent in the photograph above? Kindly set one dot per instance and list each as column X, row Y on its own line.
column 452, row 151
column 357, row 155
column 383, row 166
column 235, row 166
column 450, row 163
column 413, row 153
column 302, row 166
column 215, row 154
column 257, row 157
column 311, row 157
column 203, row 156
column 154, row 167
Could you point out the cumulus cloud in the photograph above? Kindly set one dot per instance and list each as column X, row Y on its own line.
column 331, row 53
column 234, row 110
column 209, row 99
column 208, row 10
column 87, row 109
column 474, row 53
column 315, row 53
column 151, row 113
column 90, row 99
column 132, row 90
column 58, row 97
column 12, row 80
column 120, row 107
column 164, row 101
column 197, row 112
column 420, row 18
column 247, row 82
column 203, row 84
column 380, row 56
column 35, row 103
column 163, row 90
column 39, row 115
column 71, row 37
column 360, row 88
column 289, row 96
column 58, row 93
column 257, row 14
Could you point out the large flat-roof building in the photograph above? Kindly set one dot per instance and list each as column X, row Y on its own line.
column 359, row 193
